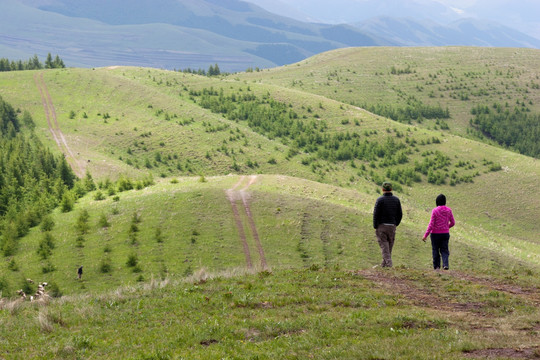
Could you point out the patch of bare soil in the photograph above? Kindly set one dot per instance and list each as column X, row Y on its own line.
column 415, row 294
column 209, row 342
column 528, row 353
column 531, row 294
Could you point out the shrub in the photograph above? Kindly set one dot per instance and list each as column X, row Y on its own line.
column 158, row 235
column 82, row 222
column 26, row 286
column 132, row 260
column 67, row 203
column 124, row 184
column 495, row 167
column 103, row 222
column 4, row 286
column 99, row 196
column 9, row 240
column 48, row 267
column 54, row 290
column 79, row 242
column 111, row 191
column 47, row 224
column 12, row 265
column 133, row 228
column 105, row 266
column 46, row 245
column 136, row 218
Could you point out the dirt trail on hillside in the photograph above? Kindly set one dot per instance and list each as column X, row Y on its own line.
column 416, row 295
column 246, row 201
column 54, row 127
column 231, row 195
column 530, row 294
column 243, row 195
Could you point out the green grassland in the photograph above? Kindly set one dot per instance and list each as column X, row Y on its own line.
column 289, row 314
column 170, row 255
column 457, row 78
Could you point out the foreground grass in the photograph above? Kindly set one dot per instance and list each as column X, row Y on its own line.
column 287, row 314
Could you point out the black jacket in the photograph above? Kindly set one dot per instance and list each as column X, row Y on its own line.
column 387, row 210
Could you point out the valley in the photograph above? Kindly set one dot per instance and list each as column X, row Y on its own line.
column 248, row 214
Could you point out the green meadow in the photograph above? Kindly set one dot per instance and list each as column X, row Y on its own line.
column 248, row 231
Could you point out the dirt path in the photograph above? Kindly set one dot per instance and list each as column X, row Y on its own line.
column 54, row 127
column 232, row 195
column 415, row 294
column 245, row 200
column 530, row 294
column 235, row 196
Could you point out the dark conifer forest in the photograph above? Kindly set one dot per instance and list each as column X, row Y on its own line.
column 32, row 64
column 33, row 181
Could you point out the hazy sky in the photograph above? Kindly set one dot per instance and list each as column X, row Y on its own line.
column 523, row 15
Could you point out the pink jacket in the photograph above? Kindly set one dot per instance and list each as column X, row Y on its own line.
column 441, row 221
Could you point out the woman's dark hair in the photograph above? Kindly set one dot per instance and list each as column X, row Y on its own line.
column 441, row 200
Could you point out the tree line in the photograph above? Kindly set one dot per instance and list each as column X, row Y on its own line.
column 277, row 120
column 516, row 129
column 33, row 181
column 213, row 70
column 415, row 111
column 31, row 64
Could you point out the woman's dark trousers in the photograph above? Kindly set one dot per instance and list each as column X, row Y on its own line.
column 439, row 246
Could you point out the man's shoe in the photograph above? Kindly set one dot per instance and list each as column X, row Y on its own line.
column 445, row 268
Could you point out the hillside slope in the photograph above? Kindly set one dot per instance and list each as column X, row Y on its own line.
column 130, row 122
column 457, row 78
column 251, row 234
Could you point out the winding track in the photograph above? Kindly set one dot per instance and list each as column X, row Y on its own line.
column 54, row 127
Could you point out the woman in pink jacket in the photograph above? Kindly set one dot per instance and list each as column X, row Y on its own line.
column 439, row 226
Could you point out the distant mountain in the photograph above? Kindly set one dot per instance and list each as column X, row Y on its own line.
column 353, row 11
column 285, row 8
column 168, row 33
column 179, row 34
column 465, row 32
column 522, row 15
column 519, row 14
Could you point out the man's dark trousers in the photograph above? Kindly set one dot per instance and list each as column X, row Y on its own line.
column 386, row 235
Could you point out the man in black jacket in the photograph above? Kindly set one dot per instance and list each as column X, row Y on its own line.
column 386, row 217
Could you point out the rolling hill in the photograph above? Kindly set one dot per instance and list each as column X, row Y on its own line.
column 457, row 78
column 250, row 236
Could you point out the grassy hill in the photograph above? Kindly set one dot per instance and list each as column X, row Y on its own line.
column 234, row 194
column 457, row 78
